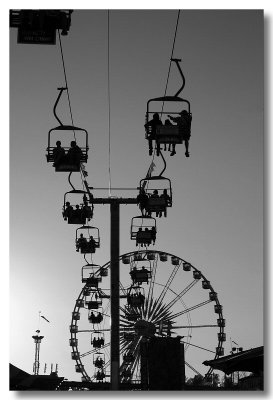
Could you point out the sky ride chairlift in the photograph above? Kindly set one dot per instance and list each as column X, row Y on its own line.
column 155, row 195
column 66, row 159
column 168, row 133
column 77, row 213
column 87, row 244
column 143, row 230
column 135, row 296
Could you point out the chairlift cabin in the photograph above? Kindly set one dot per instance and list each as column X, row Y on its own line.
column 75, row 208
column 135, row 296
column 87, row 239
column 143, row 230
column 97, row 339
column 126, row 260
column 64, row 151
column 165, row 132
column 90, row 275
column 142, row 273
column 222, row 336
column 158, row 191
column 39, row 26
column 93, row 304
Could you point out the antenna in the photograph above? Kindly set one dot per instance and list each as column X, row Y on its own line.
column 37, row 341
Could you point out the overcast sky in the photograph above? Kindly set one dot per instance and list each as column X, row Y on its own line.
column 216, row 219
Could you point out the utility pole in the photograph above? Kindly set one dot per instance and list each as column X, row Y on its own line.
column 114, row 203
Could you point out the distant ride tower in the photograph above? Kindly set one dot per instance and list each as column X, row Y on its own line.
column 37, row 341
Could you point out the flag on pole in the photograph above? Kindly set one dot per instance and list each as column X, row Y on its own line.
column 44, row 318
column 150, row 170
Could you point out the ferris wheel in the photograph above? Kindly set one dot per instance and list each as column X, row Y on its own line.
column 161, row 295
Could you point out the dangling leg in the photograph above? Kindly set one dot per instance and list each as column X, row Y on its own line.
column 150, row 147
column 187, row 154
column 173, row 151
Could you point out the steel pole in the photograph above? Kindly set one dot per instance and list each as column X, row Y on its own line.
column 114, row 283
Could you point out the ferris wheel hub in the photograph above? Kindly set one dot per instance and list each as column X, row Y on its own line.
column 144, row 328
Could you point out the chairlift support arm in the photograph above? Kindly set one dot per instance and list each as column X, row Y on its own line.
column 61, row 89
column 177, row 61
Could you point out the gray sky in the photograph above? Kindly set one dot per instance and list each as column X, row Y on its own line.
column 216, row 219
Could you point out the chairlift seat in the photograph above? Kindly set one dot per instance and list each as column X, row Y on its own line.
column 94, row 304
column 168, row 134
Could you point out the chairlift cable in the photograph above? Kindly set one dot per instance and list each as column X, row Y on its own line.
column 66, row 83
column 174, row 39
column 109, row 100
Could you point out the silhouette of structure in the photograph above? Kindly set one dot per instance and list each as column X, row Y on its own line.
column 37, row 341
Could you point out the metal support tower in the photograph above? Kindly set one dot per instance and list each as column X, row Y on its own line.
column 114, row 277
column 37, row 341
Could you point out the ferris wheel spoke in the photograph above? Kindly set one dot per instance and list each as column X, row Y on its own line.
column 194, row 326
column 94, row 350
column 199, row 347
column 193, row 369
column 151, row 287
column 191, row 308
column 169, row 281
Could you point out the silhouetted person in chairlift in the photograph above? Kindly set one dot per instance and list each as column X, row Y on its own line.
column 74, row 154
column 92, row 317
column 77, row 212
column 153, row 123
column 167, row 123
column 167, row 199
column 86, row 211
column 92, row 243
column 184, row 125
column 81, row 242
column 99, row 318
column 58, row 154
column 133, row 274
column 68, row 210
column 147, row 239
column 138, row 235
column 142, row 200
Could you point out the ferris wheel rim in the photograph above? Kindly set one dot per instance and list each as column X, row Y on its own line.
column 79, row 363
